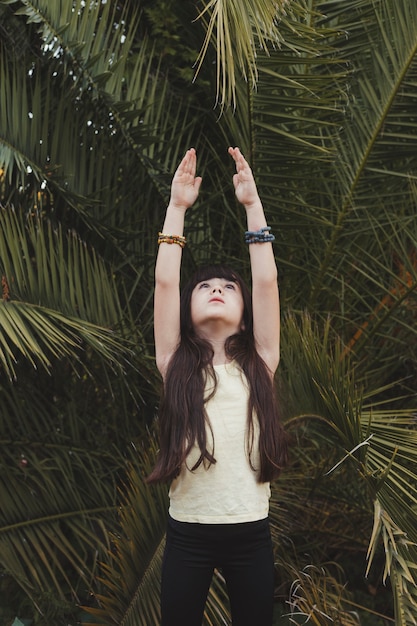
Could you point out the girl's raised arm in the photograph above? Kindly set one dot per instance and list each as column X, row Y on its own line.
column 184, row 191
column 265, row 294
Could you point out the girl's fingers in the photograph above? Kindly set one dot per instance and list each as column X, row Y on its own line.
column 190, row 160
column 239, row 159
column 188, row 163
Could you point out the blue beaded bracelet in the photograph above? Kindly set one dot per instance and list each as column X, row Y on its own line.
column 259, row 236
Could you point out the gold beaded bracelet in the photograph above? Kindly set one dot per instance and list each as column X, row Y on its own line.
column 179, row 239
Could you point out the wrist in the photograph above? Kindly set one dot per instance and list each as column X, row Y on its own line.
column 177, row 207
column 255, row 215
column 253, row 206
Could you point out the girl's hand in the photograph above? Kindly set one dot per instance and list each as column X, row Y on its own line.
column 245, row 186
column 185, row 184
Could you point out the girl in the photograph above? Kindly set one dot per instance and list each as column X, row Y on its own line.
column 221, row 442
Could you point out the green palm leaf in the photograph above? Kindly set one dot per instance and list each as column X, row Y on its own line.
column 118, row 101
column 130, row 578
column 234, row 28
column 379, row 442
column 58, row 296
column 51, row 524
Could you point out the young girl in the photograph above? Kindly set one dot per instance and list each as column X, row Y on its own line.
column 221, row 441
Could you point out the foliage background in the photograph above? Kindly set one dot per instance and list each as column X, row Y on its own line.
column 98, row 102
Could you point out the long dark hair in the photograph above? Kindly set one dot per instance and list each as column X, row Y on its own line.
column 182, row 417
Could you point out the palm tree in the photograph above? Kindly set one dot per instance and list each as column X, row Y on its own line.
column 97, row 105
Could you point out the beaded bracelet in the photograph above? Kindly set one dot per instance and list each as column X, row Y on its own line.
column 259, row 236
column 179, row 239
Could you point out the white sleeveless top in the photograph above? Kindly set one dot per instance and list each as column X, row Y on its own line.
column 227, row 492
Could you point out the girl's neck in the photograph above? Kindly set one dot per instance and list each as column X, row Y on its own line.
column 218, row 343
column 220, row 360
column 219, row 353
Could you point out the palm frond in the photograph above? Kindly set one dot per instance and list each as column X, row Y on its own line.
column 130, row 577
column 86, row 37
column 235, row 28
column 401, row 554
column 376, row 148
column 318, row 597
column 379, row 442
column 58, row 296
column 43, row 265
column 54, row 500
column 118, row 101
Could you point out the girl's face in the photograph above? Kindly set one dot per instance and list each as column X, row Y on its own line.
column 217, row 300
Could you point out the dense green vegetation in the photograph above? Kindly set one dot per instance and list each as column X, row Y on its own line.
column 98, row 102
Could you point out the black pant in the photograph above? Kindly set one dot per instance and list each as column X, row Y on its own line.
column 244, row 554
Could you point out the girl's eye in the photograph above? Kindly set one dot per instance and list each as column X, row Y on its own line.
column 230, row 286
column 204, row 285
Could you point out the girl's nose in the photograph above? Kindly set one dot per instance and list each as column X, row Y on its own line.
column 217, row 288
